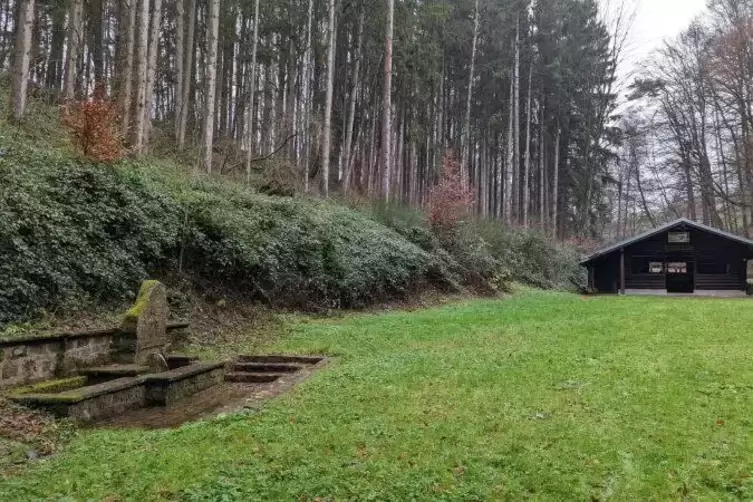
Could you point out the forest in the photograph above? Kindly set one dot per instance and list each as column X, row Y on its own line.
column 350, row 98
column 686, row 148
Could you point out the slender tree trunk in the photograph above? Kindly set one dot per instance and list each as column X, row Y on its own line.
column 527, row 160
column 21, row 58
column 509, row 177
column 55, row 64
column 387, row 103
column 180, row 35
column 97, row 48
column 556, row 182
column 306, row 108
column 327, row 132
column 516, row 124
column 465, row 146
column 187, row 74
column 213, row 28
column 126, row 78
column 75, row 34
column 140, row 78
column 353, row 100
column 151, row 71
column 542, row 173
column 252, row 93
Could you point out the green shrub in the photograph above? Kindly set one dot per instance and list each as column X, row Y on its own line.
column 72, row 230
column 460, row 257
column 533, row 258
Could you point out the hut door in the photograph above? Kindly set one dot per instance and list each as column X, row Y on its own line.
column 680, row 277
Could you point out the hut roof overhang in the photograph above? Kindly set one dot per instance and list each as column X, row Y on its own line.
column 682, row 222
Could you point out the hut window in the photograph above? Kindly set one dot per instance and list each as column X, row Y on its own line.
column 679, row 238
column 677, row 268
column 646, row 266
column 656, row 267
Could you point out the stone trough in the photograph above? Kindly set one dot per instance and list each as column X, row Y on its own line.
column 82, row 399
column 134, row 371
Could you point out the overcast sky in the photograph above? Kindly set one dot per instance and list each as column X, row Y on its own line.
column 656, row 20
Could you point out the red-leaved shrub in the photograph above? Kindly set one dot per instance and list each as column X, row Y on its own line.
column 92, row 124
column 450, row 201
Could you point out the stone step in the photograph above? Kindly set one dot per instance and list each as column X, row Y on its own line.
column 266, row 368
column 281, row 359
column 245, row 377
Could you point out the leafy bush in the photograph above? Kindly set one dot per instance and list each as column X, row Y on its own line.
column 533, row 258
column 71, row 230
column 294, row 252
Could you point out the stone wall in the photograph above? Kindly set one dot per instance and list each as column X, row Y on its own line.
column 29, row 360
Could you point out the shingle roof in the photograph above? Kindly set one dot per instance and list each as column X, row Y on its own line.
column 645, row 235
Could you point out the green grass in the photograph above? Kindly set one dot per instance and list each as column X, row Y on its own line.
column 546, row 396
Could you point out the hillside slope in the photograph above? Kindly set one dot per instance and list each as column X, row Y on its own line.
column 72, row 231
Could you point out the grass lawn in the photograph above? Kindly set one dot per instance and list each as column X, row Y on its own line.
column 545, row 396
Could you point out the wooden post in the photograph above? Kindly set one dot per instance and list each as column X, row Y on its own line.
column 622, row 271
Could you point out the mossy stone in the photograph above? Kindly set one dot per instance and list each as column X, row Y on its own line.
column 147, row 319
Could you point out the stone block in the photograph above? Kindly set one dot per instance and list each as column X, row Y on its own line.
column 147, row 319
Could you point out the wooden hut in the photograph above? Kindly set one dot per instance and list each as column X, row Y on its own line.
column 679, row 257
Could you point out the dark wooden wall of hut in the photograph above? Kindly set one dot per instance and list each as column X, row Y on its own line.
column 717, row 263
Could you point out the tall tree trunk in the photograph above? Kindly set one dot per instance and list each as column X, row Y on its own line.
column 187, row 74
column 387, row 103
column 516, row 125
column 21, row 58
column 213, row 28
column 327, row 132
column 75, row 35
column 55, row 64
column 466, row 140
column 252, row 93
column 353, row 101
column 180, row 36
column 142, row 63
column 125, row 77
column 151, row 70
column 306, row 98
column 97, row 48
column 509, row 176
column 556, row 182
column 527, row 160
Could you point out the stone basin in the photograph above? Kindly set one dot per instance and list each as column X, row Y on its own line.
column 77, row 398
